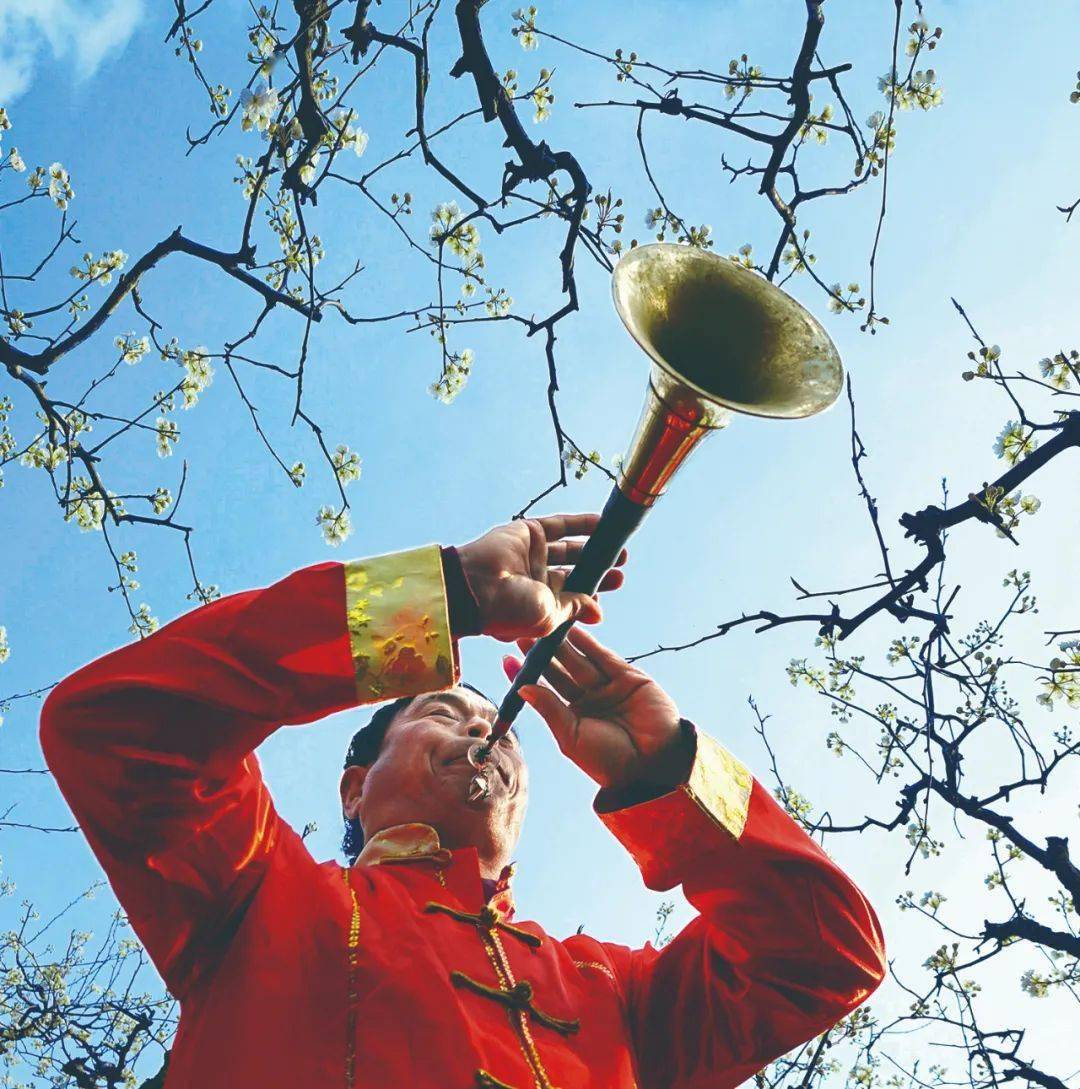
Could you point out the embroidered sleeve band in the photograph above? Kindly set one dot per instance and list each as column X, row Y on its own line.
column 720, row 784
column 399, row 627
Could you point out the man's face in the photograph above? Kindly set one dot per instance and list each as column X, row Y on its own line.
column 422, row 773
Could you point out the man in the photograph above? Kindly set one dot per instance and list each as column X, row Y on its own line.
column 408, row 967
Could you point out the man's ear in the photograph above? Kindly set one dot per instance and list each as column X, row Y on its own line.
column 352, row 788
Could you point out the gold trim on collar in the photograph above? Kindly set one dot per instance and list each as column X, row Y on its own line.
column 411, row 842
column 417, row 842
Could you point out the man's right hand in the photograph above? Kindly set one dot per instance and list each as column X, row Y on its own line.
column 517, row 572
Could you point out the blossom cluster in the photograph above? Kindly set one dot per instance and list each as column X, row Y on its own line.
column 55, row 180
column 742, row 75
column 336, row 526
column 456, row 369
column 525, row 28
column 816, row 124
column 919, row 91
column 14, row 159
column 575, row 459
column 99, row 269
column 662, row 221
column 447, row 228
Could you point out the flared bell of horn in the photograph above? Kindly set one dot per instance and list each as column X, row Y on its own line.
column 726, row 332
column 722, row 339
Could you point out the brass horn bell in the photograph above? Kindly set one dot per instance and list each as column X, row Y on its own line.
column 722, row 339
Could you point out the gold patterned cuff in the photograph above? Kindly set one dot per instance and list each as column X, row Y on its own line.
column 399, row 624
column 720, row 785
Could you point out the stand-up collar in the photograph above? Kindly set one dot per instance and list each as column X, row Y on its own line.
column 415, row 842
column 420, row 843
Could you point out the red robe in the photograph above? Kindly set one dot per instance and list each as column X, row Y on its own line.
column 294, row 974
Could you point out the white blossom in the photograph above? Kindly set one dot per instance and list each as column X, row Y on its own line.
column 168, row 434
column 60, row 190
column 346, row 464
column 463, row 239
column 198, row 373
column 259, row 107
column 1013, row 443
column 456, row 372
column 1035, row 985
column 350, row 135
column 336, row 525
column 132, row 348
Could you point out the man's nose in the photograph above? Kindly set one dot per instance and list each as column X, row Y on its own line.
column 478, row 727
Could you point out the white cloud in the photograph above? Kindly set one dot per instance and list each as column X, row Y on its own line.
column 81, row 33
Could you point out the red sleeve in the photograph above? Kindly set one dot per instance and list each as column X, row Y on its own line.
column 152, row 745
column 784, row 944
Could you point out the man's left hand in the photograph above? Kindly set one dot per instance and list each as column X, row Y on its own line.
column 517, row 573
column 614, row 721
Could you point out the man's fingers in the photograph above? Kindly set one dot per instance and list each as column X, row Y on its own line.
column 573, row 605
column 560, row 720
column 579, row 668
column 557, row 577
column 538, row 549
column 563, row 552
column 559, row 679
column 607, row 661
column 581, row 608
column 568, row 525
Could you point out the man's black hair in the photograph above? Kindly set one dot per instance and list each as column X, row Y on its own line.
column 364, row 748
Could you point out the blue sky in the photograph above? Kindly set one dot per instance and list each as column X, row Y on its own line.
column 971, row 215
